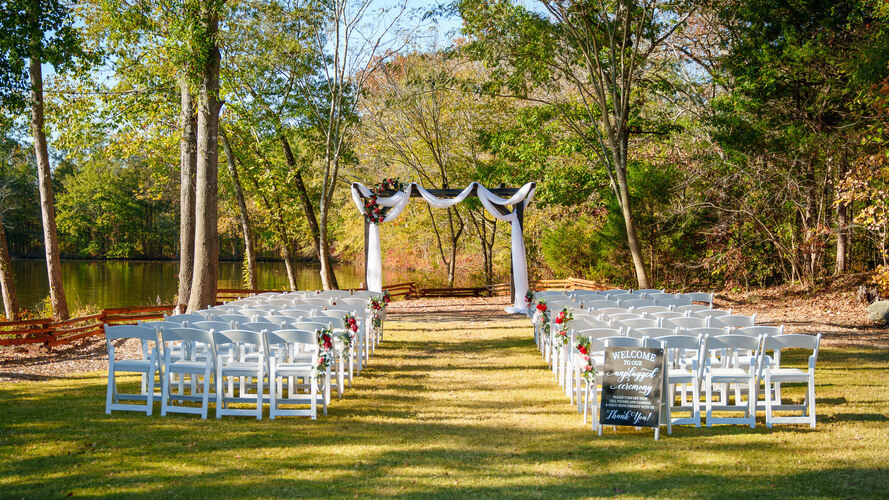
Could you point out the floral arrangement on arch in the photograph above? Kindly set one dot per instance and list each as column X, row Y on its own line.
column 325, row 354
column 372, row 210
column 587, row 370
column 562, row 321
column 349, row 336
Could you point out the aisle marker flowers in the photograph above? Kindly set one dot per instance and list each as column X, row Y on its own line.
column 562, row 320
column 377, row 305
column 587, row 370
column 349, row 336
column 325, row 354
column 542, row 315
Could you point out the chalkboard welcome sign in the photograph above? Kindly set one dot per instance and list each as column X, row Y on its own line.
column 631, row 386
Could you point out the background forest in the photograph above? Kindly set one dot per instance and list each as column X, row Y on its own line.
column 679, row 144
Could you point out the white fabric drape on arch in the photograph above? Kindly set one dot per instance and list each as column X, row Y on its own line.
column 399, row 201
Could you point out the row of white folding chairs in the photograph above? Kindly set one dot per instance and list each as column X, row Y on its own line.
column 708, row 364
column 294, row 357
column 553, row 348
column 624, row 320
column 347, row 363
column 626, row 295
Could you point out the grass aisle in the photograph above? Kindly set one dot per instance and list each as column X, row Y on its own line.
column 452, row 408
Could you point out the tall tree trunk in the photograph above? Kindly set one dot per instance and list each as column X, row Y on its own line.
column 7, row 283
column 249, row 258
column 842, row 224
column 303, row 193
column 206, row 240
column 328, row 280
column 187, row 164
column 629, row 223
column 50, row 235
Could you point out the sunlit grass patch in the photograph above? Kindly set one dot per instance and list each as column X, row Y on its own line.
column 453, row 408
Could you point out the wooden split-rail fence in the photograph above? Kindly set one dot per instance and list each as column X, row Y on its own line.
column 52, row 333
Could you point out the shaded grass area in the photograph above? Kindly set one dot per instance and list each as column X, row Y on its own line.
column 445, row 409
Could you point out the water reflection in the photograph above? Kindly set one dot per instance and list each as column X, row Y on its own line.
column 132, row 283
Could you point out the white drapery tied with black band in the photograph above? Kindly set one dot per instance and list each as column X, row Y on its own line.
column 398, row 201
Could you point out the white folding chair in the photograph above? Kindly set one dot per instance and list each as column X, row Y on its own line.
column 687, row 323
column 683, row 357
column 710, row 313
column 673, row 302
column 148, row 367
column 774, row 373
column 598, row 303
column 652, row 310
column 318, row 302
column 699, row 297
column 690, row 309
column 733, row 321
column 648, row 291
column 199, row 369
column 663, row 316
column 634, row 303
column 300, row 348
column 337, row 327
column 635, row 323
column 733, row 348
column 237, row 367
column 182, row 318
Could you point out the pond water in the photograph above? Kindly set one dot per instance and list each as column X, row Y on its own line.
column 117, row 283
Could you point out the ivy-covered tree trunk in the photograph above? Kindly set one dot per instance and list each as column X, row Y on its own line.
column 187, row 164
column 44, row 183
column 206, row 240
column 7, row 283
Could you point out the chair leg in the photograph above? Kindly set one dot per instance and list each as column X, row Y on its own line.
column 165, row 392
column 751, row 402
column 709, row 396
column 671, row 388
column 274, row 393
column 696, row 404
column 220, row 401
column 109, row 396
column 769, row 400
column 314, row 393
column 811, row 402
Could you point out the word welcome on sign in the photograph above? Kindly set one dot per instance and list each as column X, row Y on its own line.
column 632, row 386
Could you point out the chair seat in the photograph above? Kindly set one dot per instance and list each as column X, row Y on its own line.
column 185, row 366
column 134, row 365
column 788, row 375
column 729, row 375
column 240, row 368
column 680, row 375
column 293, row 368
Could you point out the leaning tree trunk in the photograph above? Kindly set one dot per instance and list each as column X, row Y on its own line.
column 629, row 223
column 187, row 163
column 50, row 235
column 206, row 235
column 7, row 283
column 249, row 258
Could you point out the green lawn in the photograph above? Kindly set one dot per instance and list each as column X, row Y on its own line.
column 455, row 408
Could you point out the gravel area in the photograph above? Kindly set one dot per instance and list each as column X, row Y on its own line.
column 837, row 315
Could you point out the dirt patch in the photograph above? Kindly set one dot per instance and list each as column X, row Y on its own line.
column 837, row 314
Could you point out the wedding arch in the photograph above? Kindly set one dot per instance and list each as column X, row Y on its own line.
column 392, row 206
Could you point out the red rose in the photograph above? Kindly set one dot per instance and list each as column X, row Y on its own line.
column 559, row 320
column 582, row 349
column 541, row 307
column 354, row 327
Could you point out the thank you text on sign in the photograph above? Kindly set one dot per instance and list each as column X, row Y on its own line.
column 631, row 386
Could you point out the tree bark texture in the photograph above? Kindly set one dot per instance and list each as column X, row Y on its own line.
column 187, row 165
column 842, row 214
column 249, row 257
column 44, row 181
column 206, row 241
column 7, row 283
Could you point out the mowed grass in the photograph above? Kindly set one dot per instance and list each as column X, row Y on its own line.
column 452, row 408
